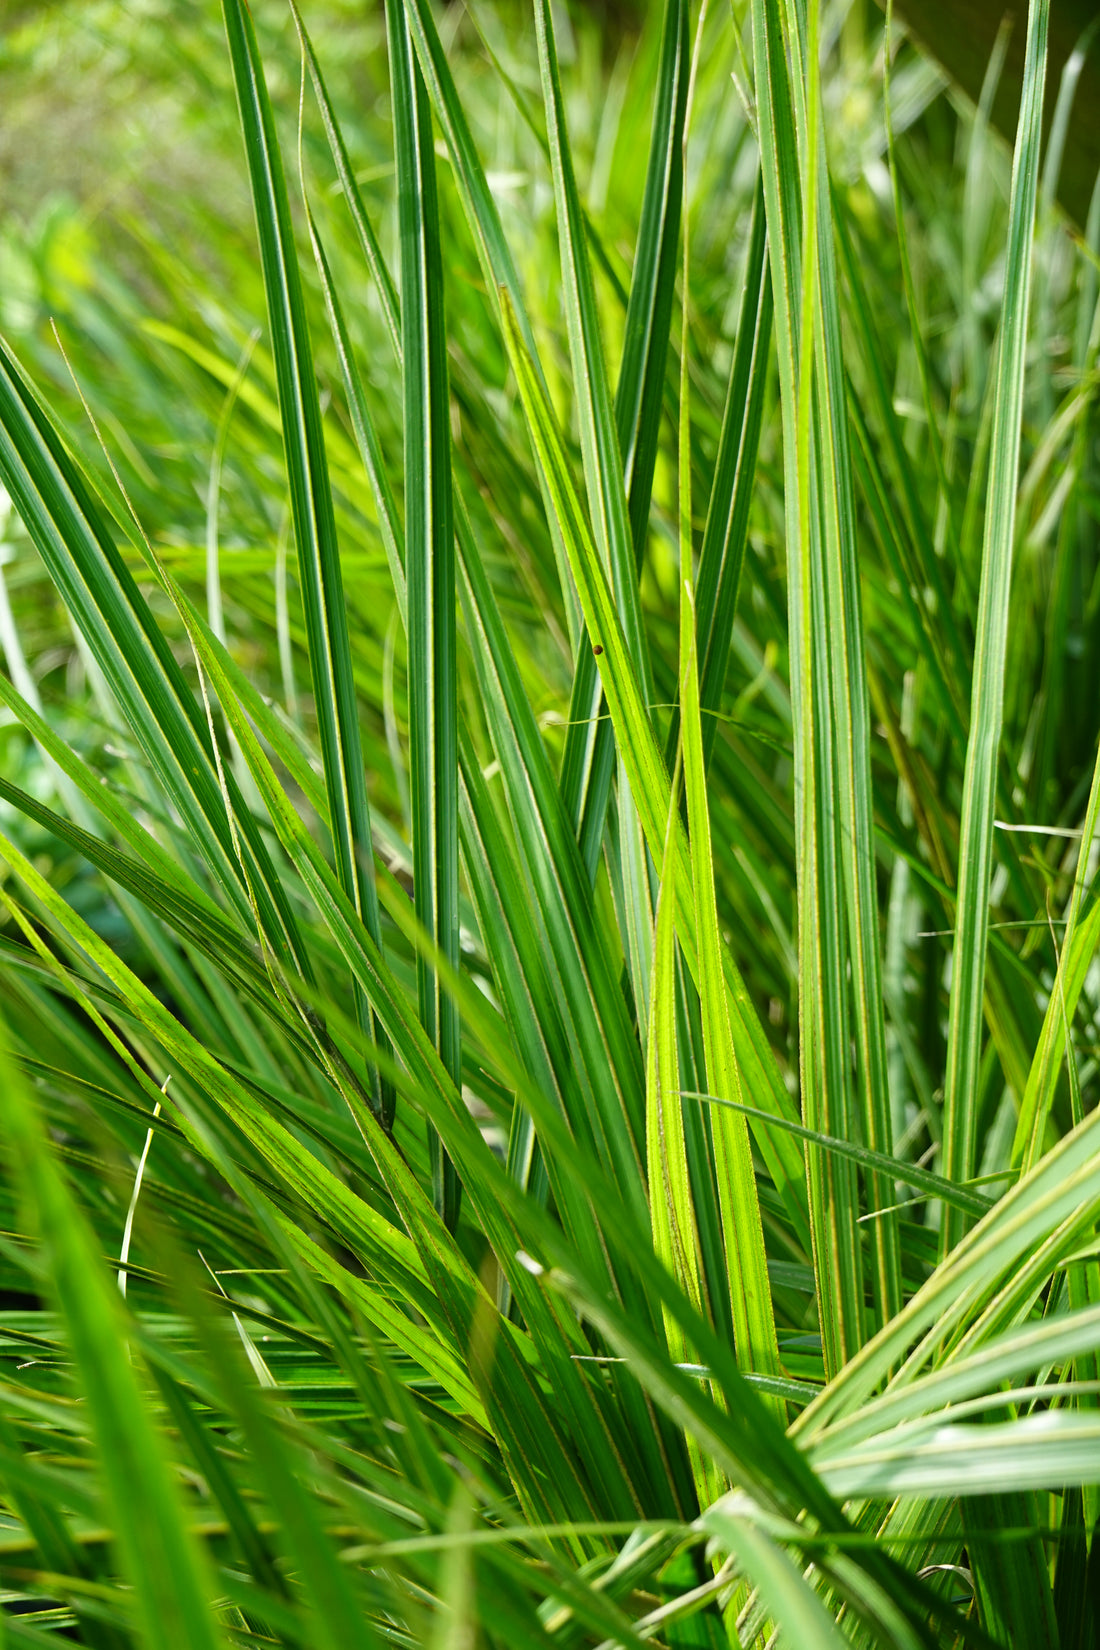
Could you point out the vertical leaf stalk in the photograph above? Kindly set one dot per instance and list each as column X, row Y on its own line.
column 429, row 566
column 964, row 1036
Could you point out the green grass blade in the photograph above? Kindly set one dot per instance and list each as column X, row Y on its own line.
column 639, row 394
column 743, row 1234
column 1077, row 950
column 1064, row 1186
column 494, row 253
column 173, row 1592
column 335, row 1612
column 979, row 791
column 973, row 1200
column 363, row 423
column 675, row 1235
column 1034, row 1347
column 1036, row 1452
column 607, row 503
column 725, row 534
column 432, row 1085
column 76, row 545
column 592, row 1003
column 319, row 571
column 345, row 171
column 640, row 755
column 853, row 818
column 430, row 563
column 823, row 1018
column 801, row 1618
column 722, row 552
column 588, row 759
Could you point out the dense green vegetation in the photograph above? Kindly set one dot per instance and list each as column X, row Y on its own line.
column 548, row 804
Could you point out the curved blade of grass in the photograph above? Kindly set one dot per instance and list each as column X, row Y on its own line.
column 70, row 533
column 1039, row 1346
column 166, row 1569
column 979, row 789
column 320, row 577
column 799, row 1614
column 429, row 564
column 1042, row 1452
column 972, row 1200
column 1065, row 1184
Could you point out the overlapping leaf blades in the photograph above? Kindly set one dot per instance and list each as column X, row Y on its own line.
column 417, row 1414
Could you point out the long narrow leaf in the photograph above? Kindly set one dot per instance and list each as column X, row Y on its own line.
column 173, row 1590
column 430, row 562
column 310, row 489
column 976, row 832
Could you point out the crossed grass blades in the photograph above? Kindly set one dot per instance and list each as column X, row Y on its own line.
column 548, row 932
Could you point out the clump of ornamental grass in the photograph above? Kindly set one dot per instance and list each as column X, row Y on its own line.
column 548, row 835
